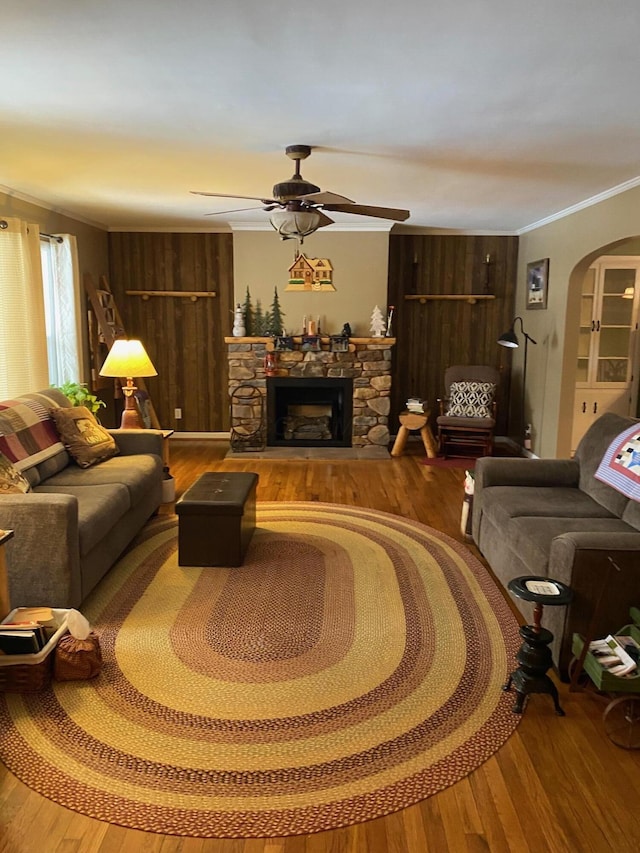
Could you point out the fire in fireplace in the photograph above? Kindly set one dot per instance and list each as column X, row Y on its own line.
column 309, row 412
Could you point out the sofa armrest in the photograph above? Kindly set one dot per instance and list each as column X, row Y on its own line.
column 133, row 441
column 602, row 594
column 568, row 548
column 496, row 471
column 43, row 559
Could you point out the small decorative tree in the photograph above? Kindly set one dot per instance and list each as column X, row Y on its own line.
column 248, row 315
column 257, row 321
column 378, row 325
column 277, row 325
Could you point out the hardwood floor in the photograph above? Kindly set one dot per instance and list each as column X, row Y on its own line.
column 557, row 785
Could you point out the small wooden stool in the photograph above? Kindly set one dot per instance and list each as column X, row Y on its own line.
column 414, row 420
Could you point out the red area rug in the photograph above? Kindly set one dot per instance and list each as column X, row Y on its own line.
column 450, row 462
column 350, row 668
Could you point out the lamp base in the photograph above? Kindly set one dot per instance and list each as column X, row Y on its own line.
column 130, row 415
column 131, row 419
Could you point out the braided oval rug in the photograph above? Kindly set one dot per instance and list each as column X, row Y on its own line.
column 351, row 667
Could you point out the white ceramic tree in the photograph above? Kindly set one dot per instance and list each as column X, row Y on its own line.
column 378, row 325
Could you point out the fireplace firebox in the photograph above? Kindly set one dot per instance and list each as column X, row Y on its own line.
column 309, row 412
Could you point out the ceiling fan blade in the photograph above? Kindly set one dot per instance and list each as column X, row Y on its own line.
column 326, row 198
column 324, row 220
column 238, row 210
column 367, row 210
column 226, row 195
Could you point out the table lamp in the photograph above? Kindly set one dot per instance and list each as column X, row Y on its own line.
column 128, row 359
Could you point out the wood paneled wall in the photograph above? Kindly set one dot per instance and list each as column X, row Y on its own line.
column 437, row 334
column 185, row 339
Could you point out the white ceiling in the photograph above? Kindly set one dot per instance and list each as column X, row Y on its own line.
column 476, row 115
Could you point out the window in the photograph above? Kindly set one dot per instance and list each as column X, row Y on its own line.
column 59, row 281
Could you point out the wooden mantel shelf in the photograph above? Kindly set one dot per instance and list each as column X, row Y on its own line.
column 471, row 298
column 325, row 339
column 193, row 295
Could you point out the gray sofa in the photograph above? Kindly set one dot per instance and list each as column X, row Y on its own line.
column 551, row 517
column 75, row 522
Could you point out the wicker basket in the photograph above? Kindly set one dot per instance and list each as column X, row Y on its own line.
column 31, row 673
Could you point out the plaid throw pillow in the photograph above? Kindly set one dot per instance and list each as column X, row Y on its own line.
column 471, row 399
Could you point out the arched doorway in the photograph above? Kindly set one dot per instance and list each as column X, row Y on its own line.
column 602, row 333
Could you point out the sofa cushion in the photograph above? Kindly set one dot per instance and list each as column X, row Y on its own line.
column 11, row 480
column 86, row 441
column 502, row 503
column 531, row 537
column 134, row 472
column 99, row 508
column 471, row 399
column 41, row 472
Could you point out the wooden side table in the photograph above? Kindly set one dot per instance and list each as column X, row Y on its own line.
column 415, row 421
column 5, row 604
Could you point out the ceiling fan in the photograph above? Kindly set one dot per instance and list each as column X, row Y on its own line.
column 297, row 205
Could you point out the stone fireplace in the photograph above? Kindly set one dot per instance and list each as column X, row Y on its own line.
column 332, row 399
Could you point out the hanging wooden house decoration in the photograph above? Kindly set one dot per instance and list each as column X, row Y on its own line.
column 310, row 274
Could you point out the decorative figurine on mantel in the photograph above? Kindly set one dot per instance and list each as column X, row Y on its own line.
column 389, row 330
column 238, row 322
column 378, row 325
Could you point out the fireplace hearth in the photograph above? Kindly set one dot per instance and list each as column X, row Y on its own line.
column 309, row 412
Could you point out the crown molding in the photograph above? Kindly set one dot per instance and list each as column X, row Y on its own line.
column 52, row 208
column 166, row 229
column 582, row 205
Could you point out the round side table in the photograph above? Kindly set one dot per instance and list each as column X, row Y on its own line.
column 412, row 421
column 534, row 655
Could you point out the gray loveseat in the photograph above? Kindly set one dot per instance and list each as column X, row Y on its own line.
column 551, row 517
column 75, row 522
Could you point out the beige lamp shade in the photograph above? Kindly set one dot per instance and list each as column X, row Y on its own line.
column 127, row 358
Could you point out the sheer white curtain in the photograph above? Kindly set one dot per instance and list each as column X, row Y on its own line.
column 62, row 308
column 23, row 341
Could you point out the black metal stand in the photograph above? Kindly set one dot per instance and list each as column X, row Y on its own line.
column 534, row 655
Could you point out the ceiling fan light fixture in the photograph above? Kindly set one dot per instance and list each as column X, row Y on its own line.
column 295, row 223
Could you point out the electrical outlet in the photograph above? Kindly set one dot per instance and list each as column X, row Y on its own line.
column 177, row 414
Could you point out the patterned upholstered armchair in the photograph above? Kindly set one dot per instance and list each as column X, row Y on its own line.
column 467, row 416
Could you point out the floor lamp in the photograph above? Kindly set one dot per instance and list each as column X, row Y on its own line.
column 510, row 339
column 128, row 359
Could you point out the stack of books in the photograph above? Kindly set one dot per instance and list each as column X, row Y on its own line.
column 416, row 404
column 27, row 633
column 618, row 655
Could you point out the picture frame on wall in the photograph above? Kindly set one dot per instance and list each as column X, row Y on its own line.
column 537, row 283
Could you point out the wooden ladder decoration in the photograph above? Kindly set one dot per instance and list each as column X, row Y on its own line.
column 105, row 327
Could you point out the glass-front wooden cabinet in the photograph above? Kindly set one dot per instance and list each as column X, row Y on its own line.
column 605, row 378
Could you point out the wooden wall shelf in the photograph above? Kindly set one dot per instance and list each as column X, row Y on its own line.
column 193, row 295
column 471, row 298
